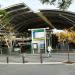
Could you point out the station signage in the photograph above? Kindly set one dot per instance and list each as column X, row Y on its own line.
column 38, row 37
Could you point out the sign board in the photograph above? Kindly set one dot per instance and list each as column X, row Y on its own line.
column 38, row 35
column 38, row 39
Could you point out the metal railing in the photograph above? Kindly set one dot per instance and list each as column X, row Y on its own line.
column 56, row 56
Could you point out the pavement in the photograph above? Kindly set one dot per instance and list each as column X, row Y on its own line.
column 34, row 63
column 55, row 65
column 44, row 63
column 56, row 58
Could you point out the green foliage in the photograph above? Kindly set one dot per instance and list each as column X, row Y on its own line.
column 5, row 20
column 2, row 13
column 66, row 35
column 45, row 1
column 62, row 4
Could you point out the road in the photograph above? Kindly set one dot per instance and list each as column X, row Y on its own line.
column 37, row 69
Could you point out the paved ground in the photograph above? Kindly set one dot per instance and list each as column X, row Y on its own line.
column 39, row 69
column 30, row 58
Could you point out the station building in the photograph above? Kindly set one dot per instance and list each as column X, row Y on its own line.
column 23, row 18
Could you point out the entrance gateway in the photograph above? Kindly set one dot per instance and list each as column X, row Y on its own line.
column 38, row 40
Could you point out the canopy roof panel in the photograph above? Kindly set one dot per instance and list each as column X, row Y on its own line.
column 22, row 18
column 60, row 19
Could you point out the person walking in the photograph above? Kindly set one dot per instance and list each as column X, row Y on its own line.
column 49, row 51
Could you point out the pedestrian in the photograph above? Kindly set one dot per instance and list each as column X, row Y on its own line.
column 49, row 51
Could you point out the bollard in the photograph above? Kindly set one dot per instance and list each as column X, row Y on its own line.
column 7, row 59
column 41, row 60
column 1, row 52
column 23, row 59
column 68, row 54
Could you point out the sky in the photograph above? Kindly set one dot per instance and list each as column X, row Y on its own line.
column 35, row 5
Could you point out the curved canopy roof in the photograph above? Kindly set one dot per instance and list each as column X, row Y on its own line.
column 22, row 18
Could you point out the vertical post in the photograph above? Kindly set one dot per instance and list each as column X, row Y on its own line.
column 49, row 38
column 41, row 59
column 1, row 51
column 23, row 59
column 45, row 40
column 7, row 59
column 32, row 41
column 68, row 54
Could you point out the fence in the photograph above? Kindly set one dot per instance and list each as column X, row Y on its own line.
column 37, row 58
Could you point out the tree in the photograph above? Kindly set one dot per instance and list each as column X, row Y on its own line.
column 7, row 27
column 62, row 4
column 66, row 35
column 4, row 19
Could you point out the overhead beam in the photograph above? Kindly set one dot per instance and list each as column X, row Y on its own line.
column 45, row 19
column 68, row 20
